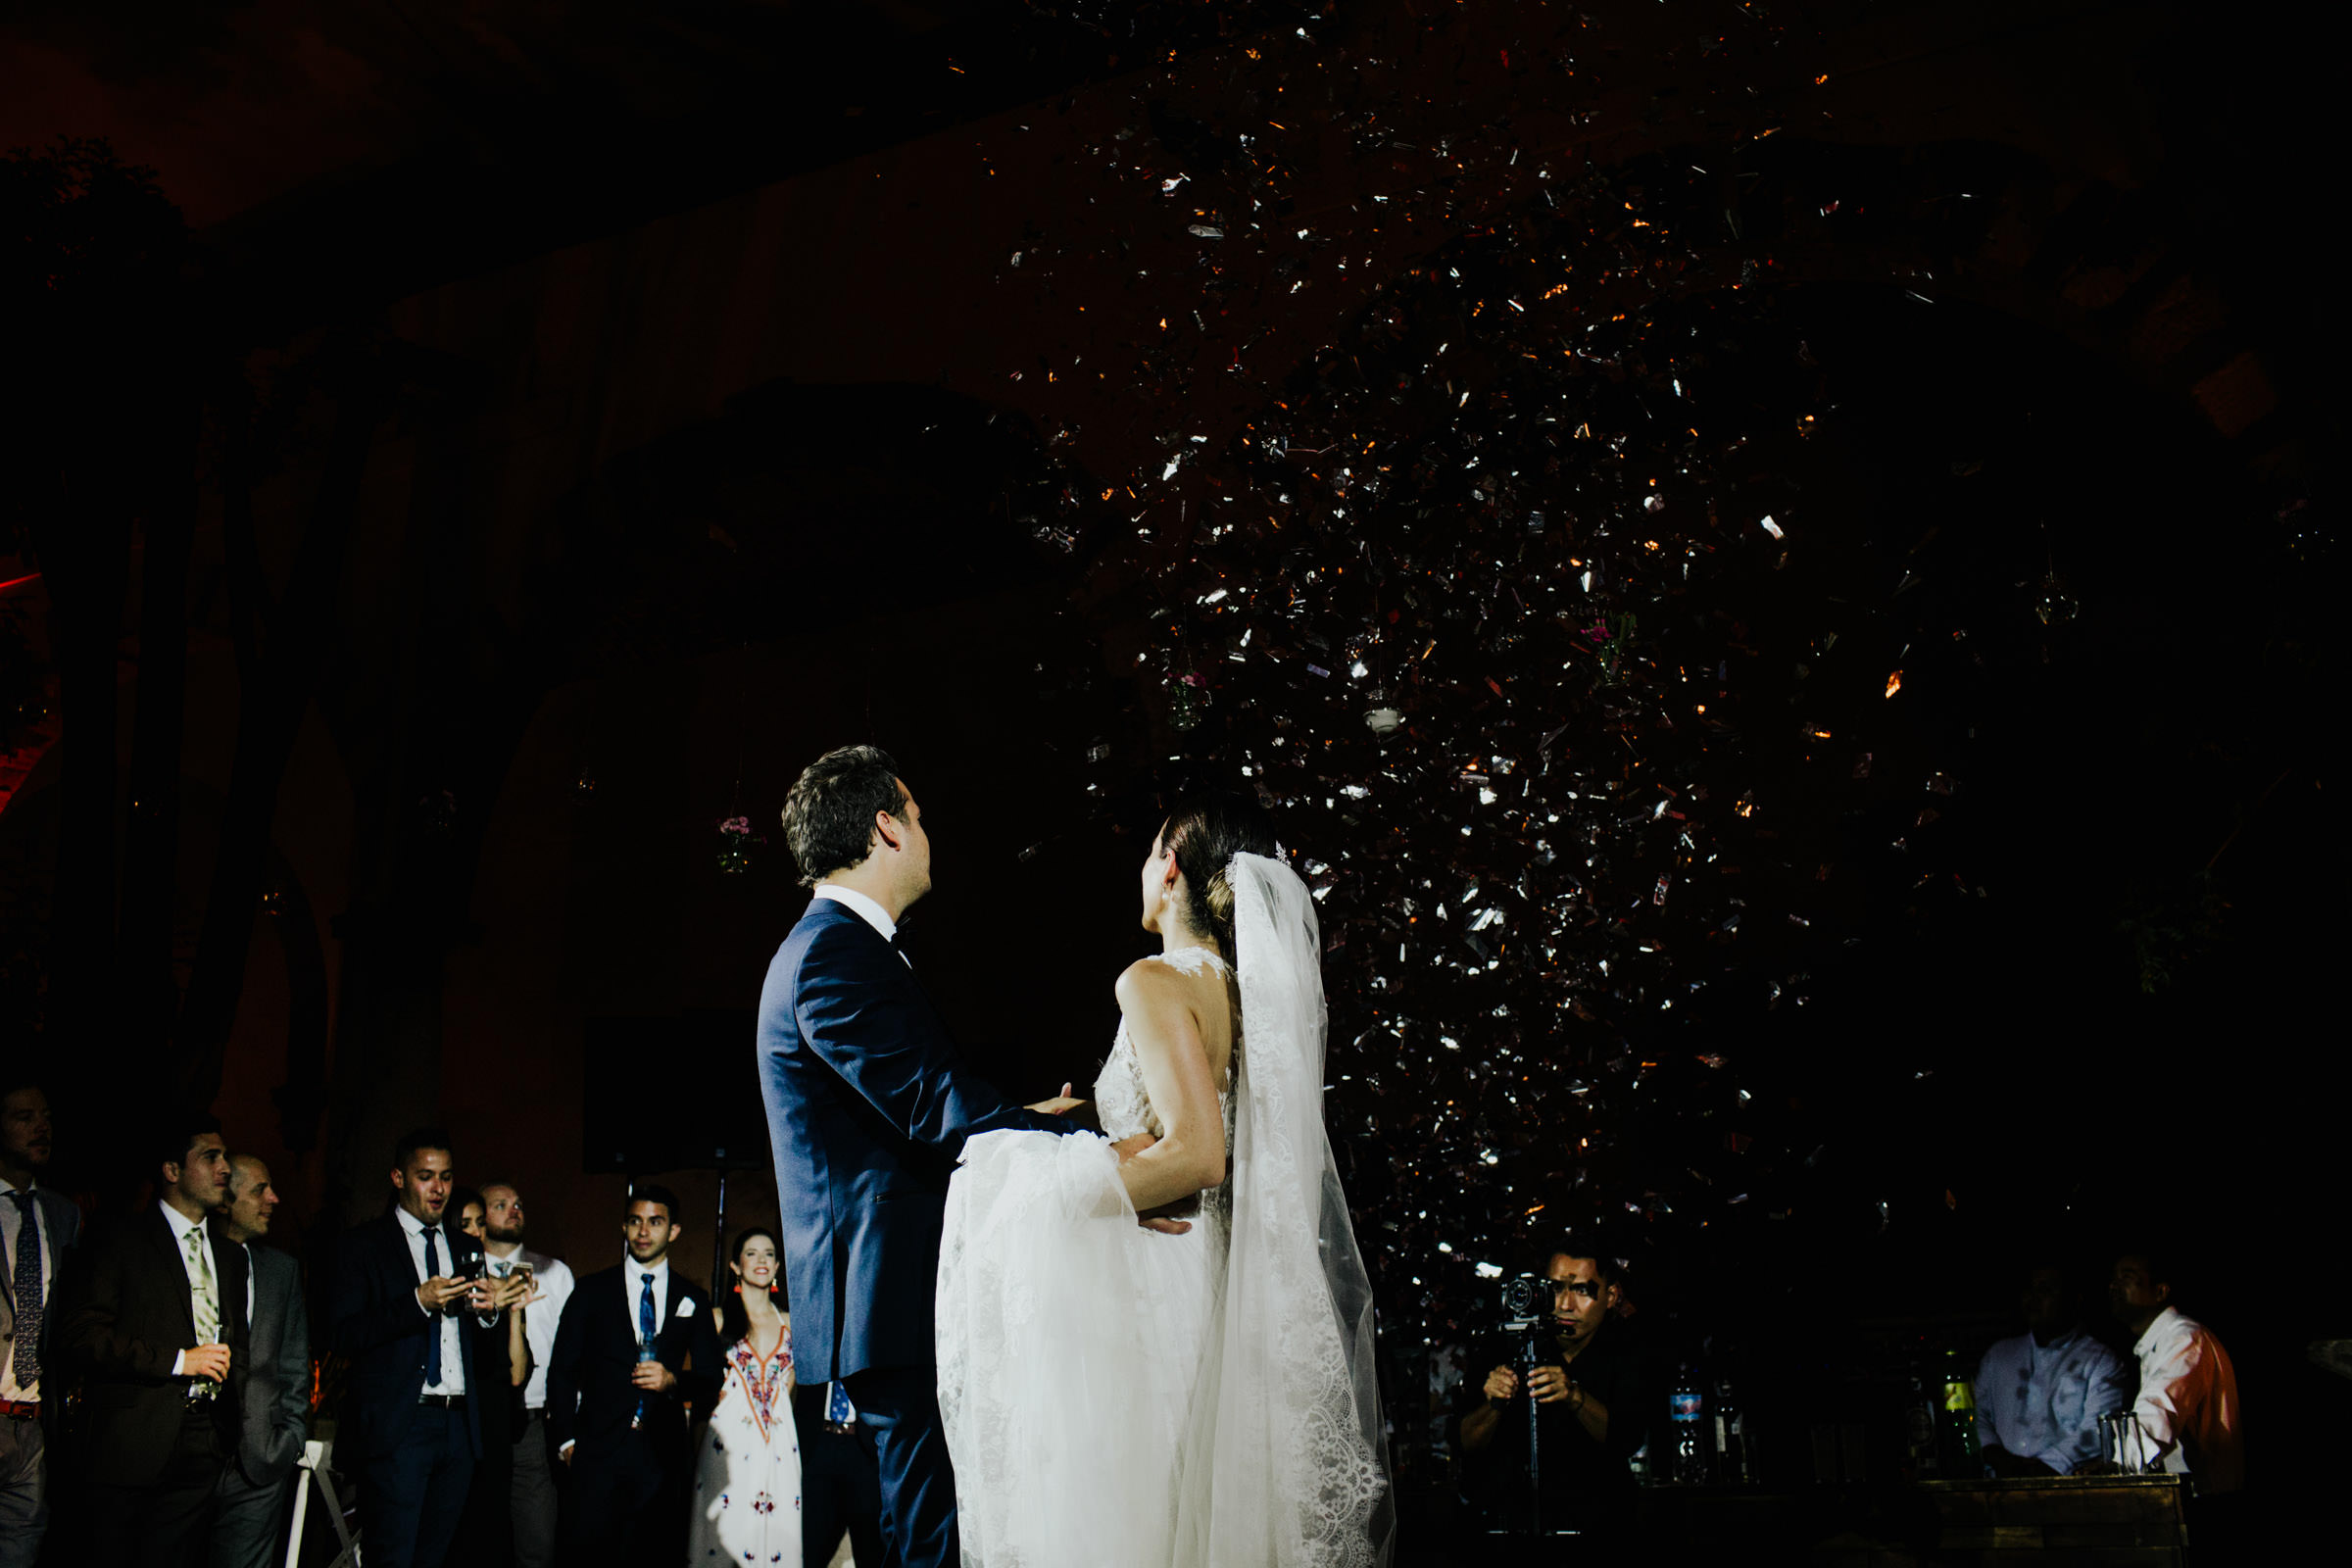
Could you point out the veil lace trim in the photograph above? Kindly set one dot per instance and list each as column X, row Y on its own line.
column 1284, row 1454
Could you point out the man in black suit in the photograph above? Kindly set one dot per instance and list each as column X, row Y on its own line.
column 250, row 1509
column 635, row 1348
column 153, row 1313
column 402, row 1285
column 39, row 1226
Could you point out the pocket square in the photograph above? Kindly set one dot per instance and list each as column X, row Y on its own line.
column 685, row 1306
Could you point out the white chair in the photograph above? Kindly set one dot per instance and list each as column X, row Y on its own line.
column 315, row 1461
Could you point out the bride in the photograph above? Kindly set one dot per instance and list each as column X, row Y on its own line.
column 1195, row 1389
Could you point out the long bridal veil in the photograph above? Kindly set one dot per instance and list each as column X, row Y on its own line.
column 1284, row 1457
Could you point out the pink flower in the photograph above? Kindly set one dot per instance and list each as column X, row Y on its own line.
column 741, row 826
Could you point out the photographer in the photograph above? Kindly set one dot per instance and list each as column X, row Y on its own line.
column 1591, row 1400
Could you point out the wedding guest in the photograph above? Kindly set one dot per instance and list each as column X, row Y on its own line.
column 635, row 1348
column 249, row 1508
column 747, row 1487
column 466, row 1205
column 2040, row 1395
column 39, row 1226
column 485, row 1530
column 1593, row 1401
column 153, row 1313
column 548, row 1282
column 2186, row 1414
column 396, row 1308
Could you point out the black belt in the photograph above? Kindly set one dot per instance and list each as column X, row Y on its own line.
column 443, row 1401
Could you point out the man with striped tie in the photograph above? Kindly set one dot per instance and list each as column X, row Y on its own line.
column 39, row 1226
column 152, row 1313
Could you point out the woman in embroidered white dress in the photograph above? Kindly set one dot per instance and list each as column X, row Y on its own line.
column 746, row 1478
column 1193, row 1390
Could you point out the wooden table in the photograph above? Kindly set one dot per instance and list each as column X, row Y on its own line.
column 2057, row 1522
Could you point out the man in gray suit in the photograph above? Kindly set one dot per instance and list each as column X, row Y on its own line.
column 250, row 1508
column 39, row 1226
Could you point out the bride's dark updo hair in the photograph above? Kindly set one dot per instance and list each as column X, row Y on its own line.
column 1204, row 832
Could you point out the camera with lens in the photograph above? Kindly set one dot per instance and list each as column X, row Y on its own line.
column 1527, row 1300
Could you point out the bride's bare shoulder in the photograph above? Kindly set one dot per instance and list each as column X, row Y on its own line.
column 1146, row 980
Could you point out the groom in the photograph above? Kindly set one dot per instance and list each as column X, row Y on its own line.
column 868, row 1106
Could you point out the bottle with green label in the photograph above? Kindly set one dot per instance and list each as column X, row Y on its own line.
column 1962, row 1453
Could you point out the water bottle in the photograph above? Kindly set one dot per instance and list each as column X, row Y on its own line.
column 646, row 1351
column 1731, row 1469
column 1688, row 1407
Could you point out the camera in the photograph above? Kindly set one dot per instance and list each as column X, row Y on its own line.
column 1526, row 1303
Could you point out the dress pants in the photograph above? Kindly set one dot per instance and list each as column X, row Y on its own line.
column 841, row 1490
column 534, row 1502
column 414, row 1493
column 625, row 1500
column 485, row 1536
column 165, row 1523
column 901, row 1403
column 24, row 1490
column 248, row 1522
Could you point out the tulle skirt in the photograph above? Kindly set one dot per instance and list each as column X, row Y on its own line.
column 1069, row 1347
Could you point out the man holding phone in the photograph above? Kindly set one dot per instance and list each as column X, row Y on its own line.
column 400, row 1284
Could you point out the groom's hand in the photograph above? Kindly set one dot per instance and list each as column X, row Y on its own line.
column 1060, row 1104
column 1164, row 1225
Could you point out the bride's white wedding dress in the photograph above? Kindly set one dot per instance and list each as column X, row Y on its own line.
column 1112, row 1395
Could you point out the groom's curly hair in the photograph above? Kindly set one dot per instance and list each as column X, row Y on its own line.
column 829, row 815
column 1204, row 832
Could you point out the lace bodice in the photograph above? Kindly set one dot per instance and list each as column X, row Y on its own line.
column 1121, row 1100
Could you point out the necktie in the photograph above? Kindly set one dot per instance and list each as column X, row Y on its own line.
column 840, row 1414
column 204, row 1292
column 645, row 1335
column 26, row 1287
column 432, row 1270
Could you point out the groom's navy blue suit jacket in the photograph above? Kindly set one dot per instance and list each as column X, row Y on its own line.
column 868, row 1105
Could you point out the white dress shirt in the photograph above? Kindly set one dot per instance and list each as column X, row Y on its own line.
column 180, row 1226
column 453, row 1354
column 865, row 910
column 2043, row 1401
column 9, row 1388
column 632, row 1277
column 2189, row 1420
column 552, row 1281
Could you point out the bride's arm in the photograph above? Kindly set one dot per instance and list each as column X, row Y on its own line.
column 1175, row 1065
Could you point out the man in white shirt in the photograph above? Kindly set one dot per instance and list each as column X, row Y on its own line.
column 2186, row 1419
column 402, row 1287
column 636, row 1349
column 534, row 1488
column 37, row 1227
column 2040, row 1397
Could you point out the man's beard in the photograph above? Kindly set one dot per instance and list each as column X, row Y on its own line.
column 512, row 1234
